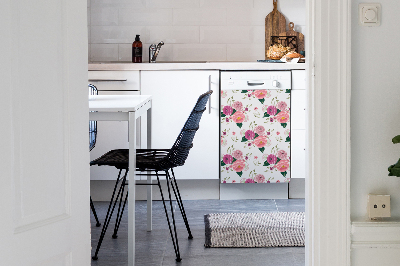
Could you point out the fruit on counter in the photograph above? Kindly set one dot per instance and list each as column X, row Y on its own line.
column 277, row 51
column 293, row 55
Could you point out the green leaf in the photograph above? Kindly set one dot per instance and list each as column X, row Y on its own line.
column 239, row 173
column 234, row 159
column 262, row 149
column 234, row 111
column 287, row 91
column 287, row 139
column 244, row 139
column 222, row 114
column 222, row 163
column 239, row 125
column 266, row 114
column 256, row 135
column 396, row 139
column 266, row 163
column 284, row 125
column 278, row 111
column 244, row 91
column 277, row 160
column 284, row 173
column 262, row 100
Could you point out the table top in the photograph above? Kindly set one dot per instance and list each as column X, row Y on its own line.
column 117, row 103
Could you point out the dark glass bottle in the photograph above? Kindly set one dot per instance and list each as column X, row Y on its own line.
column 137, row 50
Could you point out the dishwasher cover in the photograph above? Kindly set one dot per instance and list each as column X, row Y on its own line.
column 255, row 136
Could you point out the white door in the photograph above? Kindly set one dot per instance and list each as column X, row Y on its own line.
column 44, row 191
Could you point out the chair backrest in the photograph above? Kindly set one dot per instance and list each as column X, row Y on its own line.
column 92, row 124
column 180, row 150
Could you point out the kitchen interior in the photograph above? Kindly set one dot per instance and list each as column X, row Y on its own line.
column 248, row 163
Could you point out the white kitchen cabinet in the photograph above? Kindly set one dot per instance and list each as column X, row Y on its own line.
column 174, row 96
column 112, row 134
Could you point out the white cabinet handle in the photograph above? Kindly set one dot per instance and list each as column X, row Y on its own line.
column 209, row 99
column 254, row 83
column 99, row 80
column 275, row 83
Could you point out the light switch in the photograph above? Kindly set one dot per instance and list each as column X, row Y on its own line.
column 369, row 14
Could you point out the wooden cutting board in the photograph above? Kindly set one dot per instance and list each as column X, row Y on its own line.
column 292, row 32
column 275, row 23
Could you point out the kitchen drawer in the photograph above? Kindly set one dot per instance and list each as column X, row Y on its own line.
column 238, row 80
column 115, row 80
column 298, row 154
column 298, row 109
column 298, row 79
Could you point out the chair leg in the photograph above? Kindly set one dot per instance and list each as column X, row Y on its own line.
column 174, row 239
column 120, row 212
column 180, row 203
column 109, row 213
column 94, row 213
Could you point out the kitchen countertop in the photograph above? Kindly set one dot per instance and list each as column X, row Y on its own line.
column 195, row 66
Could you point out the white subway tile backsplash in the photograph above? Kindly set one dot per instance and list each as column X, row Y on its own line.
column 250, row 52
column 192, row 30
column 199, row 52
column 145, row 17
column 172, row 3
column 246, row 17
column 224, row 34
column 199, row 16
column 119, row 3
column 104, row 52
column 105, row 16
column 173, row 34
column 115, row 34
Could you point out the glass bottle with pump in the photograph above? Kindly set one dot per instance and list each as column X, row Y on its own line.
column 137, row 50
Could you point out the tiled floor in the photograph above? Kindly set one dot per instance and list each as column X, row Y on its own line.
column 155, row 248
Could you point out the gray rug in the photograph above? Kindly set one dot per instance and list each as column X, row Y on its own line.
column 271, row 229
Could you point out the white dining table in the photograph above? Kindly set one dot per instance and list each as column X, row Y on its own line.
column 127, row 108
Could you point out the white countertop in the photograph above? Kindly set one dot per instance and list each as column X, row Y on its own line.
column 196, row 66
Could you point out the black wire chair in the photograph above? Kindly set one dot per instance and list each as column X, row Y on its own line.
column 149, row 161
column 92, row 143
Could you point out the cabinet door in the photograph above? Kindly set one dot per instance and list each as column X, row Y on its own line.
column 298, row 153
column 298, row 109
column 174, row 96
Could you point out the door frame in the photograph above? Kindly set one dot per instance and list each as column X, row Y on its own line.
column 328, row 221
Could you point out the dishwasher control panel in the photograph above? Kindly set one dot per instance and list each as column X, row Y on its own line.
column 254, row 80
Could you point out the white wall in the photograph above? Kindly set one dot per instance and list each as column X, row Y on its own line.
column 375, row 120
column 375, row 108
column 193, row 30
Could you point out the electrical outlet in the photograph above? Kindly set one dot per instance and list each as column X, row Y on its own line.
column 378, row 206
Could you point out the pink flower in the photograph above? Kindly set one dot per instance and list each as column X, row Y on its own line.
column 255, row 108
column 233, row 181
column 268, row 181
column 238, row 117
column 255, row 157
column 282, row 166
column 238, row 154
column 281, row 105
column 271, row 110
column 259, row 178
column 238, row 106
column 233, row 133
column 271, row 159
column 238, row 165
column 268, row 133
column 282, row 155
column 277, row 133
column 282, row 117
column 227, row 159
column 224, row 182
column 259, row 130
column 227, row 110
column 260, row 94
column 249, row 180
column 249, row 135
column 260, row 141
column 278, row 181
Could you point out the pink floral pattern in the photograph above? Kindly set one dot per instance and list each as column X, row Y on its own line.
column 255, row 136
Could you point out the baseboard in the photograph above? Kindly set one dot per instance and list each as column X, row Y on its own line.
column 101, row 190
column 375, row 242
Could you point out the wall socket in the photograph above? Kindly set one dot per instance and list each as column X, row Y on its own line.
column 378, row 206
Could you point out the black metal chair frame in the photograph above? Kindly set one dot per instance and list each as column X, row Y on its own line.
column 92, row 143
column 153, row 161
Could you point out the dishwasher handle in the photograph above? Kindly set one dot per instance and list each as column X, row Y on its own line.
column 249, row 83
